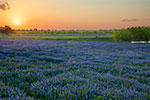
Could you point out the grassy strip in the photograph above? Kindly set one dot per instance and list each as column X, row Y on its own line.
column 75, row 38
column 63, row 32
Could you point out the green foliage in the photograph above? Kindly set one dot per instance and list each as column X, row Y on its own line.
column 133, row 34
column 100, row 98
column 62, row 32
column 123, row 35
column 69, row 38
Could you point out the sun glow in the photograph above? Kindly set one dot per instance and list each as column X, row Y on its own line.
column 17, row 22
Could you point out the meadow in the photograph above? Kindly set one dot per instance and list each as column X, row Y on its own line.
column 62, row 31
column 106, row 36
column 73, row 70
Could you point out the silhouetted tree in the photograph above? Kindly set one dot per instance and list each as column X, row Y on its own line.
column 7, row 30
column 35, row 29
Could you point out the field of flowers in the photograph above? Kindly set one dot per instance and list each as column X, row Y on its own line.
column 73, row 70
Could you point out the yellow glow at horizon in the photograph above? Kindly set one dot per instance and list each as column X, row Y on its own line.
column 68, row 14
column 17, row 22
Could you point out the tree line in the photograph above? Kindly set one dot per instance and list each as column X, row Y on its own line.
column 133, row 34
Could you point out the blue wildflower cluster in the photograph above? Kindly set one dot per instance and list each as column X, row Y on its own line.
column 78, row 70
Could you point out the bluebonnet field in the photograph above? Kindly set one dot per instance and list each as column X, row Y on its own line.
column 73, row 70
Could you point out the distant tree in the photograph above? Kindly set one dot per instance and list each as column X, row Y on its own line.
column 35, row 29
column 123, row 35
column 6, row 30
column 133, row 34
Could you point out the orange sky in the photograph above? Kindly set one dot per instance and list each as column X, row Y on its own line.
column 76, row 14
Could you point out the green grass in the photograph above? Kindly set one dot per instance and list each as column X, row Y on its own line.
column 63, row 32
column 105, row 38
column 74, row 38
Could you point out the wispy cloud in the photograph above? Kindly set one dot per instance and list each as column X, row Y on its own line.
column 129, row 20
column 4, row 6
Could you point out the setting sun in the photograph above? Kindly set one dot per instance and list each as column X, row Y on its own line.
column 16, row 22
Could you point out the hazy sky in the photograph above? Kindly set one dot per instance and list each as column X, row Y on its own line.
column 75, row 14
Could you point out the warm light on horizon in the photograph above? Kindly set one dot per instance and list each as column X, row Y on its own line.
column 17, row 22
column 75, row 14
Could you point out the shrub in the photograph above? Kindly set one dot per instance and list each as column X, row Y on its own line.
column 6, row 30
column 133, row 34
